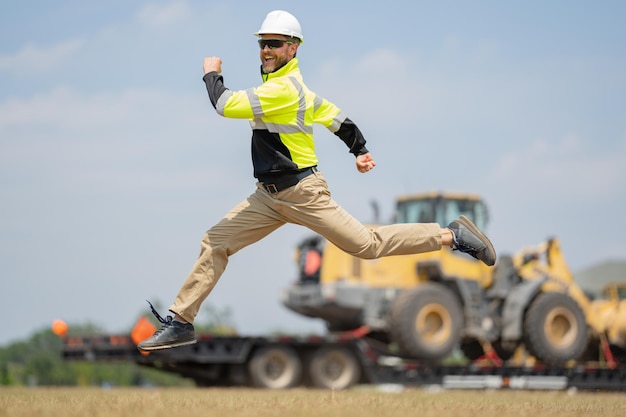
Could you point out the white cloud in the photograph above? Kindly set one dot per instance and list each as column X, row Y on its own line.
column 120, row 141
column 364, row 86
column 33, row 59
column 568, row 167
column 65, row 108
column 163, row 14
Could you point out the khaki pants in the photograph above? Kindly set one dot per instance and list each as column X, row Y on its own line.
column 309, row 204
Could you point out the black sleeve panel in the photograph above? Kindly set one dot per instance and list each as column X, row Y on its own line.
column 352, row 137
column 214, row 86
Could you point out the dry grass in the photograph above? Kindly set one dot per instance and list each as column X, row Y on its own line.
column 360, row 402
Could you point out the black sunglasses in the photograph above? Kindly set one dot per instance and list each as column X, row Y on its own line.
column 273, row 43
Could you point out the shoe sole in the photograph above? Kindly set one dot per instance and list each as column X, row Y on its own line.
column 465, row 221
column 163, row 347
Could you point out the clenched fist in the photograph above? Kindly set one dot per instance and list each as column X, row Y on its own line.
column 365, row 162
column 212, row 63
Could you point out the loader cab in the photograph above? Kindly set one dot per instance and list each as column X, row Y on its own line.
column 441, row 208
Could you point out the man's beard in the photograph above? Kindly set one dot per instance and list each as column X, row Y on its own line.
column 279, row 63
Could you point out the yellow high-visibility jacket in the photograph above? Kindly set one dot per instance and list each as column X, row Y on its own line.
column 282, row 112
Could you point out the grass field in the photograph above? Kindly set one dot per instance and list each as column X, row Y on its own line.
column 359, row 402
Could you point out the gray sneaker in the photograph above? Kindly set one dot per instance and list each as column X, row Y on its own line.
column 172, row 334
column 468, row 239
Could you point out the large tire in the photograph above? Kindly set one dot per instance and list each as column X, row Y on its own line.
column 275, row 367
column 426, row 321
column 334, row 368
column 555, row 329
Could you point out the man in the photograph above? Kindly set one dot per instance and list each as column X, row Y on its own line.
column 290, row 188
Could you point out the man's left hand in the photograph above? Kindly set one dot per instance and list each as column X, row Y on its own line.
column 365, row 162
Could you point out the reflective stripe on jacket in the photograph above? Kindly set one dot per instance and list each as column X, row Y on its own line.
column 282, row 112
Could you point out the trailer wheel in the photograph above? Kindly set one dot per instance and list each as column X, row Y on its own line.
column 275, row 367
column 334, row 368
column 426, row 321
column 555, row 329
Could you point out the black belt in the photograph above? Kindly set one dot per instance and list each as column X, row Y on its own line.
column 285, row 181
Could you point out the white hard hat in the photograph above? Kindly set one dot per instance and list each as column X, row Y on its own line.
column 281, row 23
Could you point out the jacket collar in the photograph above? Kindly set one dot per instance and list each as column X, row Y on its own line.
column 290, row 66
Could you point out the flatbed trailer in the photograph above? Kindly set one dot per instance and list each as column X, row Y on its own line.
column 336, row 361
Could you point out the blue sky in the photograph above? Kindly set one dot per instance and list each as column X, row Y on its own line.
column 113, row 162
